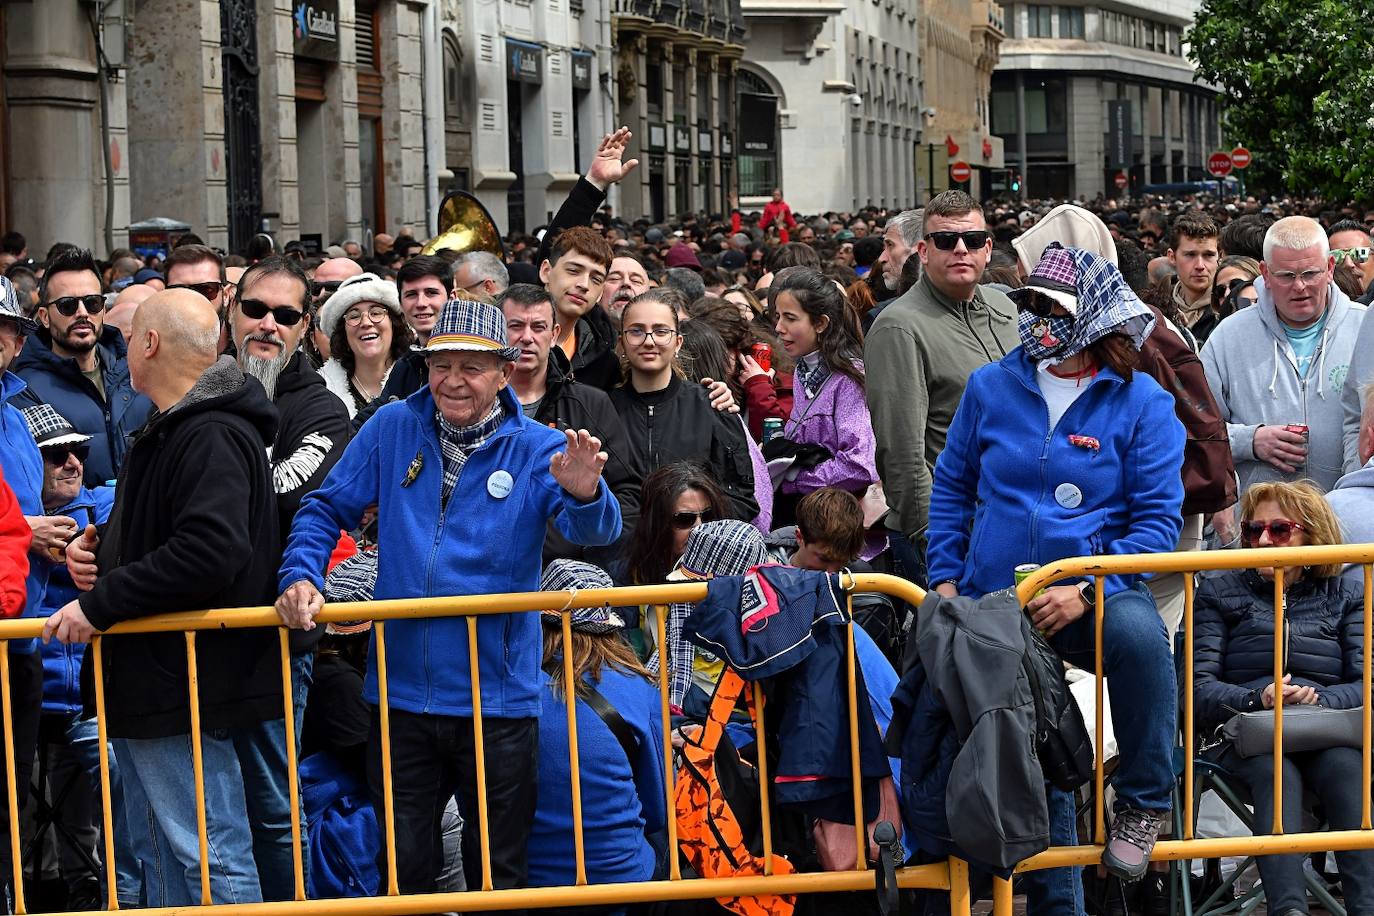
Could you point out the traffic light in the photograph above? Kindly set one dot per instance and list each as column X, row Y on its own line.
column 1015, row 182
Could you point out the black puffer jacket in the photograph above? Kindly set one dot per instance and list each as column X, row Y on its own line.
column 679, row 424
column 1233, row 642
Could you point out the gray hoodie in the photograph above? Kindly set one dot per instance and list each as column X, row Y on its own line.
column 1353, row 500
column 1361, row 373
column 1252, row 371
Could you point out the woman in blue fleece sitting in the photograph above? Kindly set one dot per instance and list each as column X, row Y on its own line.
column 619, row 744
column 1061, row 450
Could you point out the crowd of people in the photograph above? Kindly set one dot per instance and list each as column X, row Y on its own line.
column 948, row 393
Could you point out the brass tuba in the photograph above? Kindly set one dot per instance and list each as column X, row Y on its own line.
column 465, row 225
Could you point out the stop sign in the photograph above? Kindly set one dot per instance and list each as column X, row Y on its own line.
column 1122, row 180
column 1240, row 157
column 960, row 172
column 1219, row 165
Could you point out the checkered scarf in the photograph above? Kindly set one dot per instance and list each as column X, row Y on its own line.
column 1106, row 304
column 458, row 442
column 810, row 373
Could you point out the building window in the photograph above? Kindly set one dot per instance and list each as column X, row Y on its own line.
column 1070, row 22
column 758, row 130
column 1038, row 21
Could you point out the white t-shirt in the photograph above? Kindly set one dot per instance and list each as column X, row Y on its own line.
column 1059, row 392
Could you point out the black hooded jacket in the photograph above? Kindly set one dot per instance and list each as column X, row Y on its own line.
column 194, row 527
column 679, row 424
column 595, row 362
column 312, row 430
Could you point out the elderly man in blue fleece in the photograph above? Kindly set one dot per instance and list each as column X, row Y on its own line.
column 464, row 485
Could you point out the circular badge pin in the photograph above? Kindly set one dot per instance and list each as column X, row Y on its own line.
column 500, row 484
column 1068, row 496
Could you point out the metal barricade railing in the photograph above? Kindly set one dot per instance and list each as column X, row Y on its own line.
column 1190, row 847
column 951, row 875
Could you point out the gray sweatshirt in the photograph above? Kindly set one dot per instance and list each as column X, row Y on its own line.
column 1353, row 500
column 1361, row 373
column 1252, row 371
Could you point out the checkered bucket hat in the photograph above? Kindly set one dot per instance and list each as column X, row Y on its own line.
column 475, row 326
column 48, row 427
column 9, row 308
column 723, row 548
column 575, row 575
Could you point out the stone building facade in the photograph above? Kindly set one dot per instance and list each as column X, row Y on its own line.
column 311, row 119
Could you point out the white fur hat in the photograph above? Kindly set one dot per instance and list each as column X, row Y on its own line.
column 354, row 290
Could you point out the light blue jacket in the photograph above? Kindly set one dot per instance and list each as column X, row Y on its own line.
column 23, row 466
column 1009, row 490
column 487, row 540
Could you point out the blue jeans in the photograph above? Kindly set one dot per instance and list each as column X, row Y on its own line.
column 262, row 755
column 1135, row 651
column 160, row 806
column 83, row 737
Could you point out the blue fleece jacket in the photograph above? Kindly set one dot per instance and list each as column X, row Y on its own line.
column 23, row 467
column 622, row 799
column 1009, row 490
column 486, row 540
column 62, row 663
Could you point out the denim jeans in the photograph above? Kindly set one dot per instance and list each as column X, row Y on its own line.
column 1333, row 775
column 1136, row 654
column 160, row 807
column 262, row 755
column 83, row 737
column 432, row 758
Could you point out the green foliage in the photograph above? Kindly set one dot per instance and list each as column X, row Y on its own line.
column 1297, row 87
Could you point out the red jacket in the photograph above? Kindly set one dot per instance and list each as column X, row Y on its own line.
column 15, row 536
column 777, row 210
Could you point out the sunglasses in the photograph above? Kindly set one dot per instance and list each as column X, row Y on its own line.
column 283, row 315
column 57, row 454
column 325, row 288
column 683, row 521
column 1280, row 530
column 1223, row 291
column 946, row 241
column 1356, row 255
column 67, row 305
column 209, row 289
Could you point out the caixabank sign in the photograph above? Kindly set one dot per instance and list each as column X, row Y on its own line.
column 315, row 29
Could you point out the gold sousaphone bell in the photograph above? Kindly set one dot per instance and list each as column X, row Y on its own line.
column 465, row 225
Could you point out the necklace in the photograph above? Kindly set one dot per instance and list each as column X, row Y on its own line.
column 369, row 396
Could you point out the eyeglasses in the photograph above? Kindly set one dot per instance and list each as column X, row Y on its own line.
column 354, row 317
column 67, row 305
column 1356, row 255
column 637, row 336
column 283, row 315
column 56, row 455
column 209, row 289
column 946, row 241
column 683, row 521
column 325, row 288
column 1280, row 530
column 1288, row 277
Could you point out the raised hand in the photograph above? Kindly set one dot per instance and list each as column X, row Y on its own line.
column 607, row 168
column 578, row 468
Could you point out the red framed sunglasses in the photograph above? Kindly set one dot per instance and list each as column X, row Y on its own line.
column 1280, row 530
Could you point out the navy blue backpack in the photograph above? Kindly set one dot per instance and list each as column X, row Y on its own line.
column 344, row 836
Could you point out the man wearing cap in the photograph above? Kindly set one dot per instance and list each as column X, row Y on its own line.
column 22, row 466
column 80, row 366
column 465, row 484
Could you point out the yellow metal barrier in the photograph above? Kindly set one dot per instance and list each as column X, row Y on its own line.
column 950, row 876
column 1097, row 568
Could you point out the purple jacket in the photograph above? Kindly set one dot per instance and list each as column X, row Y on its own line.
column 837, row 419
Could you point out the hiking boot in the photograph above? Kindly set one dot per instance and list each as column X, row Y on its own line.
column 1130, row 841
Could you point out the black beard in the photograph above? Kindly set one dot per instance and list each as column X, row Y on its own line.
column 80, row 348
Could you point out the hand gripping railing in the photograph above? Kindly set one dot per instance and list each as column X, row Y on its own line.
column 951, row 875
column 1189, row 847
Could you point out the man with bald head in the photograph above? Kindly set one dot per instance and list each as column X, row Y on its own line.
column 121, row 314
column 328, row 277
column 194, row 526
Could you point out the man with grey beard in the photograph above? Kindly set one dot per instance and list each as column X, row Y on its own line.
column 267, row 323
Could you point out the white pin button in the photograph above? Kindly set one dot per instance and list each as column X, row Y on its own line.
column 500, row 484
column 1068, row 496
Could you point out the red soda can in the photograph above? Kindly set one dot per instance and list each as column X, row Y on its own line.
column 1299, row 428
column 763, row 355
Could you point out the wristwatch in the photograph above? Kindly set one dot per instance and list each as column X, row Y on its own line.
column 1089, row 592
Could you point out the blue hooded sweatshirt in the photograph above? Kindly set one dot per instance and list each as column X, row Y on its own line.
column 23, row 467
column 1009, row 490
column 486, row 540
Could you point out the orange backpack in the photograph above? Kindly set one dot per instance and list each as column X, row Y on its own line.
column 716, row 798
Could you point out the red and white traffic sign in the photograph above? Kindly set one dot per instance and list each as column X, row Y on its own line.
column 1122, row 180
column 1240, row 157
column 960, row 172
column 1219, row 165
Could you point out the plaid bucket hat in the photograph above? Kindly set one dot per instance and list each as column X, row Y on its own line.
column 1055, row 276
column 9, row 308
column 48, row 427
column 474, row 326
column 575, row 575
column 354, row 579
column 727, row 547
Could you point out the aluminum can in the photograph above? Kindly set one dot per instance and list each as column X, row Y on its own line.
column 1299, row 428
column 1024, row 571
column 772, row 426
column 763, row 355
